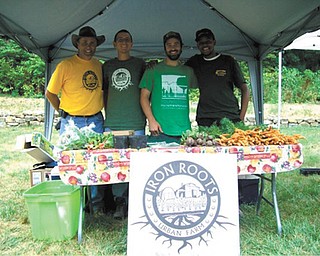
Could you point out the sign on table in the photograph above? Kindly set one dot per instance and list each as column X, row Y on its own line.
column 183, row 204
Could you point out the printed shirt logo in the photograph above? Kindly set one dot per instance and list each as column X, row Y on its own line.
column 121, row 79
column 221, row 72
column 181, row 202
column 90, row 80
column 174, row 86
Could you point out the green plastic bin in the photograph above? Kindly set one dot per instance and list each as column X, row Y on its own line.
column 53, row 209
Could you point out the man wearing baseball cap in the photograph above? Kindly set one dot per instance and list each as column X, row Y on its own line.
column 165, row 93
column 217, row 75
column 79, row 80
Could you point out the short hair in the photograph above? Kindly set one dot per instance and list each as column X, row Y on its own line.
column 121, row 31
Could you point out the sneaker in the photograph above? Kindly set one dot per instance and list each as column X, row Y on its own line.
column 121, row 209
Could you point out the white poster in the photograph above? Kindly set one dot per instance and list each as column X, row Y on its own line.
column 183, row 204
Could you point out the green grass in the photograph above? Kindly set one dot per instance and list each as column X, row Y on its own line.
column 298, row 197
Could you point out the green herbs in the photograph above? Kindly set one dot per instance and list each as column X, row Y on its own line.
column 85, row 138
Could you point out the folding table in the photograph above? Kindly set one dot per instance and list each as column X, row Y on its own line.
column 108, row 166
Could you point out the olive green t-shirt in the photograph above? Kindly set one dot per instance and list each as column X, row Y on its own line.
column 121, row 82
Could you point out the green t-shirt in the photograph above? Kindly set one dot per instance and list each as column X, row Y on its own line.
column 169, row 87
column 121, row 81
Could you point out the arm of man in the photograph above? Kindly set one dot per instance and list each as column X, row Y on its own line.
column 154, row 126
column 53, row 99
column 245, row 96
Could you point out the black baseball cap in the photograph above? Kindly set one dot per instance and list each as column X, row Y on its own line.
column 205, row 32
column 172, row 34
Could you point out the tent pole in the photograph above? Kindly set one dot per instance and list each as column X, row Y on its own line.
column 279, row 87
column 256, row 77
column 49, row 110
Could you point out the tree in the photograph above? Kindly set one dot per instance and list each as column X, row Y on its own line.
column 21, row 73
column 302, row 59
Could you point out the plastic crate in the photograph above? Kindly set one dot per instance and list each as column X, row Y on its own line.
column 53, row 209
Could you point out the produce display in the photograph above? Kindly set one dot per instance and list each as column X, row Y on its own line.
column 226, row 134
column 84, row 138
column 236, row 134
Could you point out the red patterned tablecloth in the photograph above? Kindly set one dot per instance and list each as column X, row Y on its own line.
column 107, row 166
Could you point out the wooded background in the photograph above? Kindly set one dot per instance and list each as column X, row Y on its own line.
column 22, row 74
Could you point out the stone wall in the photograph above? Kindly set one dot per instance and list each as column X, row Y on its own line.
column 286, row 122
column 29, row 118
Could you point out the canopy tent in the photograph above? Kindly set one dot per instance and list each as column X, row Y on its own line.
column 308, row 41
column 247, row 29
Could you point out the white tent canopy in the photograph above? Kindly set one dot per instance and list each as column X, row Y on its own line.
column 308, row 41
column 246, row 29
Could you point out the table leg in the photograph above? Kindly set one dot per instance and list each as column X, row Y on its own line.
column 274, row 203
column 89, row 203
column 260, row 197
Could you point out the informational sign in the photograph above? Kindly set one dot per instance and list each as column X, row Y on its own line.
column 183, row 204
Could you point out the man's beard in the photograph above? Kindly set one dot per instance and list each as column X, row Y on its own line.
column 174, row 57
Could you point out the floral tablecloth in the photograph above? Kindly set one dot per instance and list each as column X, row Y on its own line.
column 107, row 166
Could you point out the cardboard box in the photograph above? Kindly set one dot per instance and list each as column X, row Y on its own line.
column 39, row 175
column 37, row 146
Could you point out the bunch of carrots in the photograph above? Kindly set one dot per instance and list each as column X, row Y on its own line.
column 256, row 136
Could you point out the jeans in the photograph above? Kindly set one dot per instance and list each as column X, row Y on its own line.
column 83, row 122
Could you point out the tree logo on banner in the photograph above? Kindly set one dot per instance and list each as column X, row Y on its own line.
column 181, row 202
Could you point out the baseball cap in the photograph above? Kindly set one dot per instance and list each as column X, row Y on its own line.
column 204, row 32
column 172, row 34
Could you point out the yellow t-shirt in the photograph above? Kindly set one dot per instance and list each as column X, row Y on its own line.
column 80, row 83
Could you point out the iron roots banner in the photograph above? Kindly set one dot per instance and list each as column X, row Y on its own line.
column 183, row 204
